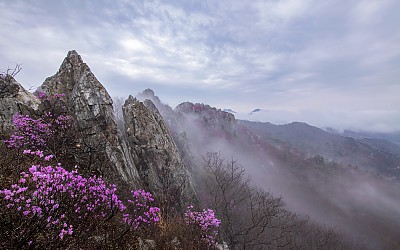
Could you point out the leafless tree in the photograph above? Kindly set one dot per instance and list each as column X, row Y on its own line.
column 314, row 236
column 6, row 77
column 10, row 72
column 251, row 218
column 171, row 190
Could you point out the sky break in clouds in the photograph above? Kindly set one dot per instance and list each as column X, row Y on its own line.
column 329, row 63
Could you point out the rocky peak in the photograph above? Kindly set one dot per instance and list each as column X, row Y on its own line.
column 69, row 74
column 91, row 106
column 86, row 95
column 165, row 110
column 144, row 123
column 208, row 116
column 159, row 162
column 149, row 94
column 174, row 122
column 146, row 156
column 167, row 113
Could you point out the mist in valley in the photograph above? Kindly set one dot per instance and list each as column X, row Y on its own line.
column 360, row 204
column 281, row 67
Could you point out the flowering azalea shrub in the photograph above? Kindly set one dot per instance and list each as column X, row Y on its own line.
column 55, row 203
column 50, row 130
column 28, row 132
column 141, row 214
column 44, row 205
column 50, row 98
column 34, row 133
column 204, row 222
column 54, row 103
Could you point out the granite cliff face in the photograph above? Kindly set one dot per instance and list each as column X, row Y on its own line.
column 143, row 156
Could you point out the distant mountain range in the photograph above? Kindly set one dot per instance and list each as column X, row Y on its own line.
column 281, row 117
column 393, row 137
column 338, row 180
column 369, row 153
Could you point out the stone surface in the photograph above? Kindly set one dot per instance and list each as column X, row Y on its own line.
column 14, row 98
column 91, row 106
column 175, row 121
column 209, row 117
column 142, row 156
column 146, row 155
column 159, row 162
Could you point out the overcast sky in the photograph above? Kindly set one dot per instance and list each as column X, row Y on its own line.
column 329, row 63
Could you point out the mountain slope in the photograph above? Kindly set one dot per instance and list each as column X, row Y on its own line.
column 334, row 194
column 312, row 141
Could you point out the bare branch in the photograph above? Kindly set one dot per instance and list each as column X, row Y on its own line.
column 6, row 88
column 10, row 72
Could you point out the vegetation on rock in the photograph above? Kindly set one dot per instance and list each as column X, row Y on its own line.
column 48, row 206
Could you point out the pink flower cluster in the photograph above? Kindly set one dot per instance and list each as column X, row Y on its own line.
column 29, row 132
column 206, row 222
column 38, row 153
column 61, row 121
column 45, row 97
column 54, row 195
column 56, row 200
column 34, row 133
column 140, row 213
column 54, row 102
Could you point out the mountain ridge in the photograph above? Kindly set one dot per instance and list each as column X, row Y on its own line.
column 161, row 149
column 124, row 157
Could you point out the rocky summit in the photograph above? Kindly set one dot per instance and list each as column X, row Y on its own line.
column 148, row 149
column 91, row 106
column 142, row 156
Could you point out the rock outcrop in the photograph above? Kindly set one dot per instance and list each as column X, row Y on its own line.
column 145, row 155
column 91, row 106
column 175, row 122
column 142, row 156
column 209, row 117
column 168, row 114
column 158, row 159
column 14, row 99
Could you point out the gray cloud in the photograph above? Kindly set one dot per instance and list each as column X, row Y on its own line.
column 313, row 55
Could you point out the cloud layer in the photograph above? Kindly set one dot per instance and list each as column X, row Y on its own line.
column 324, row 57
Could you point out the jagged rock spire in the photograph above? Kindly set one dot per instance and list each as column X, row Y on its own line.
column 146, row 155
column 91, row 106
column 159, row 162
